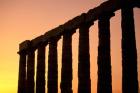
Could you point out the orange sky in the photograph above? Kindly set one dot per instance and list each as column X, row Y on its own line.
column 27, row 19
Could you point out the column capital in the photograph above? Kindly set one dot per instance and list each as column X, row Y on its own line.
column 23, row 52
column 105, row 16
column 26, row 47
column 39, row 41
column 84, row 23
column 23, row 46
column 53, row 40
column 69, row 33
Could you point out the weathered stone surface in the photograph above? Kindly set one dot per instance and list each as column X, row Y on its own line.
column 24, row 45
column 74, row 23
column 30, row 70
column 39, row 41
column 129, row 52
column 93, row 14
column 106, row 7
column 110, row 6
column 84, row 81
column 104, row 58
column 40, row 76
column 52, row 67
column 54, row 32
column 22, row 73
column 66, row 70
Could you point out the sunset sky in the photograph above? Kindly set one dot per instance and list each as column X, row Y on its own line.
column 26, row 19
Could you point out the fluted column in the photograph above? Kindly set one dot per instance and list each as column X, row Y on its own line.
column 104, row 59
column 30, row 70
column 40, row 80
column 66, row 71
column 22, row 73
column 53, row 66
column 84, row 81
column 129, row 52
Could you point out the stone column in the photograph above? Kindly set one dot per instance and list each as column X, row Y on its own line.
column 84, row 82
column 129, row 52
column 52, row 66
column 66, row 70
column 30, row 70
column 104, row 59
column 40, row 78
column 22, row 73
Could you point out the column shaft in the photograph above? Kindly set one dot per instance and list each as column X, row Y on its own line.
column 129, row 52
column 104, row 59
column 52, row 67
column 40, row 80
column 84, row 82
column 22, row 73
column 30, row 71
column 66, row 71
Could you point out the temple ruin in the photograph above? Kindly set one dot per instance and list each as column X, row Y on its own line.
column 103, row 13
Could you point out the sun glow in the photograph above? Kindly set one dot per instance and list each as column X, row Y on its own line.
column 26, row 19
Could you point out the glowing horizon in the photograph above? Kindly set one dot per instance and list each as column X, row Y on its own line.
column 26, row 19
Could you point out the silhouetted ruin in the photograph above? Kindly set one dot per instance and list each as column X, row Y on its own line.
column 66, row 76
column 102, row 13
column 104, row 57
